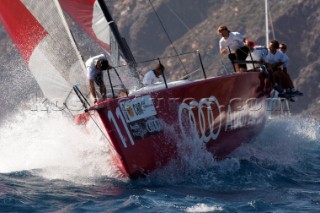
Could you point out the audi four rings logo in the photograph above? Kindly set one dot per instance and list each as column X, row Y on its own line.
column 206, row 104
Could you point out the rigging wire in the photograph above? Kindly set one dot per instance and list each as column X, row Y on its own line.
column 171, row 42
column 190, row 30
column 272, row 29
column 266, row 20
column 181, row 54
column 177, row 54
column 96, row 123
column 84, row 101
column 181, row 21
column 167, row 57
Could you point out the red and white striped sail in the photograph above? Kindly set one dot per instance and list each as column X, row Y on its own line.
column 88, row 15
column 37, row 30
column 26, row 34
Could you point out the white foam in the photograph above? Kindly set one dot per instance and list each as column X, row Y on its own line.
column 200, row 207
column 282, row 142
column 191, row 157
column 50, row 145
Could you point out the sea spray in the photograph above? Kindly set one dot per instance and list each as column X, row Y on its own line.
column 282, row 145
column 191, row 158
column 52, row 146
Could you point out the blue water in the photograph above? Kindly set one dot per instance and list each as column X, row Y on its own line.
column 49, row 165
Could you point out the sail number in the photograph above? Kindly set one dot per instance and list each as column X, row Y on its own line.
column 114, row 121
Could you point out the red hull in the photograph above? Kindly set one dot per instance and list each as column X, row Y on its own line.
column 145, row 129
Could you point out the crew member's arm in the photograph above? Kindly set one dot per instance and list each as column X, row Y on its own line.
column 223, row 52
column 223, row 48
column 103, row 91
column 93, row 91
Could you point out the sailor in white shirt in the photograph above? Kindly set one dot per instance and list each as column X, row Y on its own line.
column 154, row 76
column 95, row 66
column 234, row 41
column 274, row 61
column 289, row 87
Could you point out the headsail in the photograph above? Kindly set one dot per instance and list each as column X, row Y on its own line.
column 94, row 18
column 43, row 42
column 89, row 16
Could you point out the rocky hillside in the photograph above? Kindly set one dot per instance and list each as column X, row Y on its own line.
column 191, row 25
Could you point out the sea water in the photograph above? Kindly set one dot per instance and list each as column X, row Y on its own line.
column 48, row 164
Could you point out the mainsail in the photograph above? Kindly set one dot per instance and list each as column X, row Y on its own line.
column 44, row 43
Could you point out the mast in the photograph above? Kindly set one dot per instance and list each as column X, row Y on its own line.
column 267, row 23
column 127, row 54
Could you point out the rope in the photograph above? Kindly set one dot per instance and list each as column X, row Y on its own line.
column 68, row 109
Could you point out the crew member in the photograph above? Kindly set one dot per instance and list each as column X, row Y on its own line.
column 154, row 76
column 235, row 42
column 95, row 66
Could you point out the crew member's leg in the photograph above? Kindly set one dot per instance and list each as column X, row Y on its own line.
column 242, row 54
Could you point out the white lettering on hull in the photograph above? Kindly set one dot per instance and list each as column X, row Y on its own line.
column 199, row 117
column 205, row 117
